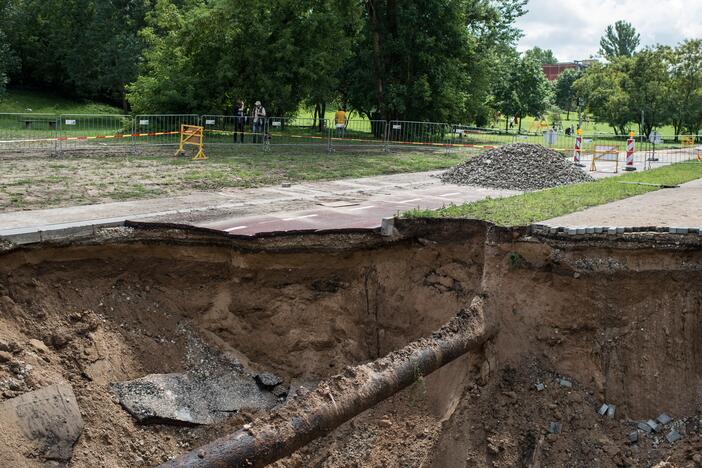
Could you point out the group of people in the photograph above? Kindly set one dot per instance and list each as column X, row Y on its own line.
column 258, row 121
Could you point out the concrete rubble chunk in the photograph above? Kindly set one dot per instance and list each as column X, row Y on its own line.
column 644, row 427
column 610, row 411
column 652, row 424
column 603, row 409
column 540, row 387
column 673, row 436
column 664, row 418
column 48, row 420
column 565, row 383
column 192, row 398
column 633, row 437
column 268, row 380
column 554, row 427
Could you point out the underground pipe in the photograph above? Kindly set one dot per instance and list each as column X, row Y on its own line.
column 339, row 398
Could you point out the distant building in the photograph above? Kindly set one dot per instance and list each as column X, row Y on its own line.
column 552, row 72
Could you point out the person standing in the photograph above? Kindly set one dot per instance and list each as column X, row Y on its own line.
column 259, row 121
column 239, row 120
column 340, row 121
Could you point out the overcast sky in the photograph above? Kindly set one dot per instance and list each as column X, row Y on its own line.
column 572, row 28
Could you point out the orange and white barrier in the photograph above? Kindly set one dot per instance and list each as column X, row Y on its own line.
column 578, row 148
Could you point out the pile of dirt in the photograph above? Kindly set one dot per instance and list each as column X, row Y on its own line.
column 519, row 166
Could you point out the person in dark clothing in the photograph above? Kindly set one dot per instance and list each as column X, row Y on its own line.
column 239, row 120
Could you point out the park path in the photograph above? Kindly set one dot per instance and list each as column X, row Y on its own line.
column 674, row 207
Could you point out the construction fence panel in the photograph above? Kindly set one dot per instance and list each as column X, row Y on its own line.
column 89, row 131
column 430, row 135
column 359, row 134
column 294, row 131
column 671, row 149
column 161, row 129
column 228, row 130
column 28, row 132
column 469, row 137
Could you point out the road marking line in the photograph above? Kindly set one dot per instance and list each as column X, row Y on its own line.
column 362, row 208
column 449, row 194
column 236, row 228
column 300, row 217
column 410, row 201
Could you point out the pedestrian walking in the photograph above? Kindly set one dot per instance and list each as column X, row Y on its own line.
column 239, row 121
column 259, row 120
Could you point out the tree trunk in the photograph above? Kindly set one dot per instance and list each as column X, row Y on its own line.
column 340, row 398
column 377, row 58
column 314, row 116
column 567, row 115
column 520, row 125
column 322, row 115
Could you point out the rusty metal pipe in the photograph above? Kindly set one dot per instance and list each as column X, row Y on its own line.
column 340, row 398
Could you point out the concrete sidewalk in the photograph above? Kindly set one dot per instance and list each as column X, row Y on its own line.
column 675, row 207
column 374, row 197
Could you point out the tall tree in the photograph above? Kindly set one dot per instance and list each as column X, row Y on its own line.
column 646, row 83
column 542, row 56
column 428, row 59
column 619, row 40
column 602, row 88
column 685, row 91
column 524, row 90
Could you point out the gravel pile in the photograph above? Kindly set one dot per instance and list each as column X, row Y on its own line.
column 519, row 166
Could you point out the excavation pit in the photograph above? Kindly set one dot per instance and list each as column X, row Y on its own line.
column 618, row 317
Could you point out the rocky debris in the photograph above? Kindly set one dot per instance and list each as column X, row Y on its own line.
column 48, row 420
column 268, row 380
column 519, row 166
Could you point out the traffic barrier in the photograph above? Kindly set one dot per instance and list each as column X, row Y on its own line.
column 192, row 135
column 578, row 148
column 165, row 128
column 293, row 131
column 84, row 131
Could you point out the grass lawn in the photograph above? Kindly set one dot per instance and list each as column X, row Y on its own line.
column 46, row 182
column 18, row 100
column 546, row 204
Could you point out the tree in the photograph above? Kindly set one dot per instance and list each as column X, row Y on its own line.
column 524, row 91
column 542, row 56
column 565, row 95
column 646, row 84
column 408, row 67
column 620, row 40
column 602, row 88
column 685, row 89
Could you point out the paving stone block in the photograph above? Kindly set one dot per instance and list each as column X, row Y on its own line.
column 673, row 436
column 664, row 418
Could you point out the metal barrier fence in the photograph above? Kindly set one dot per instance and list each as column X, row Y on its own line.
column 161, row 129
column 286, row 131
column 80, row 131
column 25, row 131
column 51, row 133
column 359, row 134
column 403, row 133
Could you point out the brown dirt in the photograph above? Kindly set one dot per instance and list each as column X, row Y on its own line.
column 619, row 318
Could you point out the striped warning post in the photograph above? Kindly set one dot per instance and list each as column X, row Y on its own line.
column 630, row 153
column 578, row 148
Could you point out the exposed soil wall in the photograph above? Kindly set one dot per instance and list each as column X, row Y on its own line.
column 619, row 317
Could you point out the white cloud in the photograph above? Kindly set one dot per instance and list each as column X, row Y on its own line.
column 572, row 28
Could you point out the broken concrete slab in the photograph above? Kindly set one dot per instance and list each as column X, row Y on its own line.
column 610, row 411
column 46, row 421
column 664, row 418
column 192, row 397
column 540, row 387
column 565, row 383
column 603, row 409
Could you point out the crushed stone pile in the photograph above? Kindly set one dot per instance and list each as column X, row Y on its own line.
column 519, row 166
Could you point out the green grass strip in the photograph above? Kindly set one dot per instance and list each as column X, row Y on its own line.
column 550, row 203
